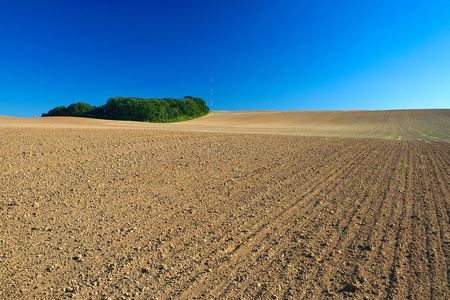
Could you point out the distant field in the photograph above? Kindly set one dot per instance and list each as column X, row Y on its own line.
column 98, row 209
column 431, row 125
column 426, row 125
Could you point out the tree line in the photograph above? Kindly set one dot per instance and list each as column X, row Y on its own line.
column 137, row 109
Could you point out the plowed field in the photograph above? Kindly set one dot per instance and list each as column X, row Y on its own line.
column 431, row 125
column 151, row 213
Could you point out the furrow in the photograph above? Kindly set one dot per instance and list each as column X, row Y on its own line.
column 331, row 191
column 259, row 235
column 397, row 265
column 249, row 242
column 438, row 234
column 350, row 242
column 220, row 252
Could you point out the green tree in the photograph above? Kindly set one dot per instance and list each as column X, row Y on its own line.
column 79, row 109
column 57, row 111
column 137, row 109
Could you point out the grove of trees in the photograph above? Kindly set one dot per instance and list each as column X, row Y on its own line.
column 137, row 109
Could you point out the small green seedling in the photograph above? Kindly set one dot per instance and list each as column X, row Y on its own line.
column 396, row 207
column 215, row 176
column 331, row 278
column 237, row 169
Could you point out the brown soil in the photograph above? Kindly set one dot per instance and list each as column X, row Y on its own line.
column 431, row 125
column 91, row 210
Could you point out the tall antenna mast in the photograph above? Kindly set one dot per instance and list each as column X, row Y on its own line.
column 211, row 92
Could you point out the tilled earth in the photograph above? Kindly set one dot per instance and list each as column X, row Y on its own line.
column 151, row 214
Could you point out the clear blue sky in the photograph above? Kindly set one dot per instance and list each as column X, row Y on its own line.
column 262, row 55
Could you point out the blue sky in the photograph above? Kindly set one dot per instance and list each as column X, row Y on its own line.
column 262, row 55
